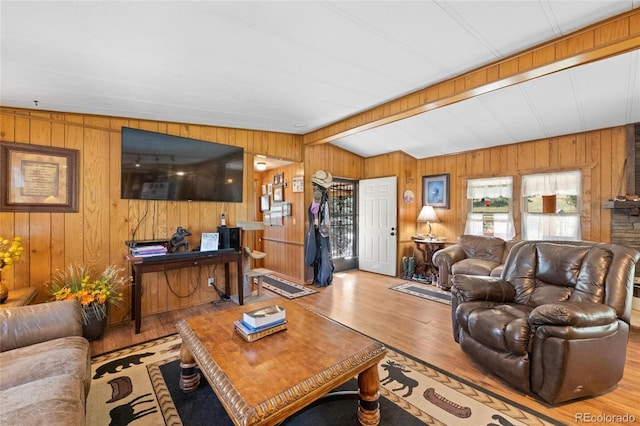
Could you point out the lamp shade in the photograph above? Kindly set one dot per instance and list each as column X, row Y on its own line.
column 428, row 214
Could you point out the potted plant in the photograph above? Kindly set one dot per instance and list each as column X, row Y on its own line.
column 94, row 294
column 10, row 252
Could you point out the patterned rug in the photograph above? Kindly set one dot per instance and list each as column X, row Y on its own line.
column 426, row 291
column 285, row 288
column 139, row 385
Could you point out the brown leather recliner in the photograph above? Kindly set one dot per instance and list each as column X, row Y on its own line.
column 556, row 323
column 471, row 255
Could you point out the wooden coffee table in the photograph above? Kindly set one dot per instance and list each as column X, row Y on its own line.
column 267, row 380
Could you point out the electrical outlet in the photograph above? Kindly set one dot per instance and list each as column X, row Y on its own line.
column 211, row 281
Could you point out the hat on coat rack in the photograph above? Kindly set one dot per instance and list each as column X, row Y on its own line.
column 322, row 178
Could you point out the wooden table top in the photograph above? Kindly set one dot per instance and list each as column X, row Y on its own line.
column 20, row 297
column 282, row 372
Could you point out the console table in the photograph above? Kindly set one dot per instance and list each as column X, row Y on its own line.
column 142, row 265
column 427, row 248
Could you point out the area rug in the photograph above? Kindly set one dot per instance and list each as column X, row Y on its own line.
column 425, row 291
column 139, row 385
column 285, row 288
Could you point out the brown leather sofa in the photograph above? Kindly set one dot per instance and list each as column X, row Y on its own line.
column 556, row 324
column 471, row 255
column 46, row 365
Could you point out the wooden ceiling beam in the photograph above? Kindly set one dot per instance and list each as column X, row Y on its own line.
column 614, row 36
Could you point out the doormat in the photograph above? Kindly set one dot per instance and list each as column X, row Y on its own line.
column 285, row 288
column 140, row 385
column 425, row 291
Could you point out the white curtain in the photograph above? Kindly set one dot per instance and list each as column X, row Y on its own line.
column 559, row 226
column 490, row 187
column 538, row 226
column 564, row 183
column 502, row 225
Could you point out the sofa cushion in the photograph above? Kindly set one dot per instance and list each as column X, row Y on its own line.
column 497, row 271
column 56, row 400
column 553, row 272
column 474, row 267
column 64, row 356
column 479, row 247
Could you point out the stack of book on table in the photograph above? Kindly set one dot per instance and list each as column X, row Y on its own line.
column 261, row 322
column 146, row 251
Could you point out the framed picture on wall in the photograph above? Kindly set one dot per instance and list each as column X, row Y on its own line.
column 38, row 178
column 435, row 191
column 264, row 203
column 278, row 193
column 278, row 178
column 298, row 184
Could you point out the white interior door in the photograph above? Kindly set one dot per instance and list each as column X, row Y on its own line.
column 377, row 231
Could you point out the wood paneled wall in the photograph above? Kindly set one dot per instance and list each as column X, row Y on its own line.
column 284, row 244
column 599, row 155
column 95, row 235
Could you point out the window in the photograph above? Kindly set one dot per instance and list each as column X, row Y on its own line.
column 490, row 207
column 551, row 206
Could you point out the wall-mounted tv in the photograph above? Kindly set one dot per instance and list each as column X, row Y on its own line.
column 156, row 166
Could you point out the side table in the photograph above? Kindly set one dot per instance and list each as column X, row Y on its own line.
column 20, row 297
column 426, row 272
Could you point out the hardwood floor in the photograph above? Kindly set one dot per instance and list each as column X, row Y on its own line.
column 419, row 327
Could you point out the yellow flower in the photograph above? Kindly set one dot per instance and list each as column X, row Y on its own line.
column 76, row 283
column 10, row 251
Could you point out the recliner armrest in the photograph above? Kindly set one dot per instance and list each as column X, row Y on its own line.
column 468, row 288
column 576, row 314
column 448, row 256
column 26, row 325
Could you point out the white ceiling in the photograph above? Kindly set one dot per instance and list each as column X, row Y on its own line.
column 298, row 66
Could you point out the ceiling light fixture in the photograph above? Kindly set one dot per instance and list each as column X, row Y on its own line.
column 261, row 166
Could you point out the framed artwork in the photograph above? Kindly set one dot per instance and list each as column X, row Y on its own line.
column 298, row 184
column 264, row 203
column 435, row 191
column 286, row 209
column 38, row 178
column 278, row 193
column 278, row 178
column 266, row 218
column 264, row 189
column 276, row 216
column 269, row 188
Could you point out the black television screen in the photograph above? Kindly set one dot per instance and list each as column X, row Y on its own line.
column 156, row 166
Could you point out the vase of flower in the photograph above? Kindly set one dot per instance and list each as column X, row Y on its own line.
column 10, row 252
column 95, row 322
column 4, row 290
column 94, row 294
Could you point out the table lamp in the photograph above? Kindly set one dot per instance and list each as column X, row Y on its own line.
column 428, row 214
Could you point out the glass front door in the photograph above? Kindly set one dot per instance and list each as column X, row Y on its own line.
column 343, row 209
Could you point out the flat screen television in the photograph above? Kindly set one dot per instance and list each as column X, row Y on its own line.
column 156, row 166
